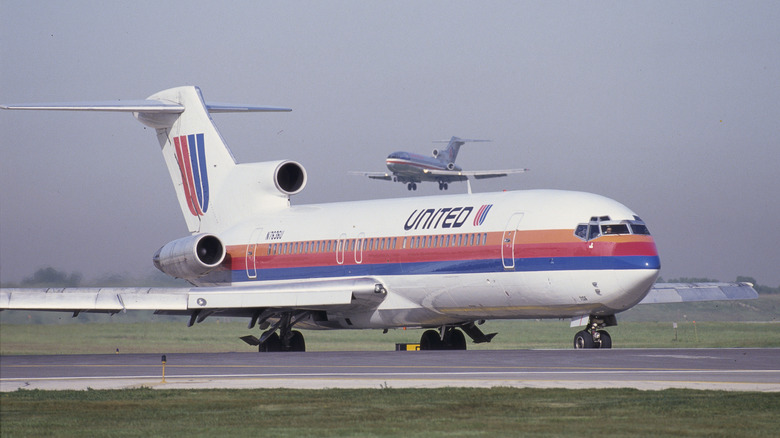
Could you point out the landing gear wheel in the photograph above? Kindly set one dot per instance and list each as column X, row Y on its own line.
column 273, row 343
column 583, row 339
column 430, row 341
column 605, row 340
column 297, row 342
column 455, row 340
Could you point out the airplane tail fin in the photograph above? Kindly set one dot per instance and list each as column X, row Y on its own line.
column 214, row 191
column 450, row 153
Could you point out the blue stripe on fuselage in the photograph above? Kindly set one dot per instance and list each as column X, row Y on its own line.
column 454, row 267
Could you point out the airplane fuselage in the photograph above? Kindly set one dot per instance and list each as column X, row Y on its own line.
column 448, row 259
column 408, row 167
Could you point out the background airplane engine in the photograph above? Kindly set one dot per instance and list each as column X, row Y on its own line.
column 190, row 257
column 451, row 166
column 435, row 153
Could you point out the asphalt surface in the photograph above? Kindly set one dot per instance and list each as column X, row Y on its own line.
column 650, row 369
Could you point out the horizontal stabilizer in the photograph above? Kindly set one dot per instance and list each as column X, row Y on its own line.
column 687, row 292
column 146, row 106
column 141, row 106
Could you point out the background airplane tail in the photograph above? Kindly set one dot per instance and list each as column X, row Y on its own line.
column 450, row 153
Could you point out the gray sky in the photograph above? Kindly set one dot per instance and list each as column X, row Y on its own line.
column 672, row 108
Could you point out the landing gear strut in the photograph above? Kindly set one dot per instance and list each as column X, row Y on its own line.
column 452, row 338
column 594, row 336
column 285, row 340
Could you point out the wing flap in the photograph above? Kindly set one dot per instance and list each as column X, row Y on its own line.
column 687, row 292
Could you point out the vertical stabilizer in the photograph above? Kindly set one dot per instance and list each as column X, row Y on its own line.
column 197, row 157
column 450, row 153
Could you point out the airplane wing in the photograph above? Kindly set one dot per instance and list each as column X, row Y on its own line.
column 374, row 175
column 477, row 174
column 663, row 293
column 239, row 301
column 686, row 292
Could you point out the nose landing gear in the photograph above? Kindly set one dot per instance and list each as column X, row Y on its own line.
column 594, row 336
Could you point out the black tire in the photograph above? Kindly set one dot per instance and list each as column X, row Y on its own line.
column 297, row 343
column 583, row 339
column 273, row 343
column 605, row 340
column 430, row 341
column 455, row 340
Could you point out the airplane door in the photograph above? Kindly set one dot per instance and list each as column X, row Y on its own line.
column 508, row 241
column 251, row 253
column 359, row 248
column 340, row 248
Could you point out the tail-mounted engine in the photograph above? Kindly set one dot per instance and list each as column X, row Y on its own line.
column 190, row 257
column 290, row 177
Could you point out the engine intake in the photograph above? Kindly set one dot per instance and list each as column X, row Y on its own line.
column 290, row 177
column 190, row 257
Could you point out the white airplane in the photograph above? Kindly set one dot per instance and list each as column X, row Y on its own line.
column 410, row 169
column 444, row 264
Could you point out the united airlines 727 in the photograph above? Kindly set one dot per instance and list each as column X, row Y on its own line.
column 409, row 168
column 443, row 264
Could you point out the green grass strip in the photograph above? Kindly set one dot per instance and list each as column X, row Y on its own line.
column 384, row 412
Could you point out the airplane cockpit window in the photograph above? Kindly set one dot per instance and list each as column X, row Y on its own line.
column 602, row 226
column 615, row 229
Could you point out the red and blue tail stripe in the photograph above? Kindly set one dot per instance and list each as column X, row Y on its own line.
column 191, row 156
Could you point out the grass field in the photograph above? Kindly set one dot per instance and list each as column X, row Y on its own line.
column 446, row 412
column 216, row 336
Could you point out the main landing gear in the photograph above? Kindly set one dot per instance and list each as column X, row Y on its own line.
column 411, row 186
column 443, row 185
column 451, row 337
column 286, row 340
column 594, row 336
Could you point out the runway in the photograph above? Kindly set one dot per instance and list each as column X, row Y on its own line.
column 649, row 369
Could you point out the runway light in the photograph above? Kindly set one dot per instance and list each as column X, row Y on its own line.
column 163, row 368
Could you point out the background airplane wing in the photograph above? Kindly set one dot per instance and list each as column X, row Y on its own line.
column 477, row 174
column 306, row 295
column 374, row 175
column 685, row 292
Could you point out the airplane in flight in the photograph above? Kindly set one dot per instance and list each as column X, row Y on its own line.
column 443, row 264
column 409, row 168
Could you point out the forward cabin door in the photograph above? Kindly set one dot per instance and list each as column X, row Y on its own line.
column 508, row 241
